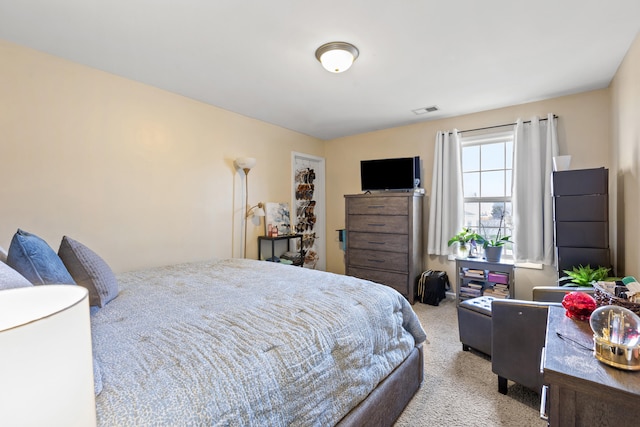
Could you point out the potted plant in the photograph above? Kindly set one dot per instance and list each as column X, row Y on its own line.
column 584, row 276
column 463, row 239
column 493, row 247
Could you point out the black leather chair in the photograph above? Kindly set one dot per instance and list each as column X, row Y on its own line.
column 518, row 335
column 518, row 330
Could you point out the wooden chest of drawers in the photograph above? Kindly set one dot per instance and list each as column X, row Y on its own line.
column 384, row 239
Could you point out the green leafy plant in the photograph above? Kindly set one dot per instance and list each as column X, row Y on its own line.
column 463, row 237
column 487, row 242
column 584, row 276
column 498, row 241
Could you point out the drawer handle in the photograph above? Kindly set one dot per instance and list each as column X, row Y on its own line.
column 376, row 225
column 375, row 260
column 377, row 243
column 375, row 206
column 543, row 403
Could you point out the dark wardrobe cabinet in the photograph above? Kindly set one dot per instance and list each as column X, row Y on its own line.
column 581, row 216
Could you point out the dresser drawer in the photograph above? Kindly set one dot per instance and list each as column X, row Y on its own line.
column 379, row 259
column 379, row 241
column 379, row 224
column 378, row 206
column 581, row 181
column 397, row 281
column 582, row 234
column 572, row 257
column 582, row 208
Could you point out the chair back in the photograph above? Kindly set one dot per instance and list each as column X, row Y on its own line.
column 557, row 293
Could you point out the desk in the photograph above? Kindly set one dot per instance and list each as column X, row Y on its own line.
column 273, row 245
column 582, row 390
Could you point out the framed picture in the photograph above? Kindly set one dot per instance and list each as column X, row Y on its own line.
column 277, row 215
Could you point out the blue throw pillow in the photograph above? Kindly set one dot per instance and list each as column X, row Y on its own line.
column 32, row 257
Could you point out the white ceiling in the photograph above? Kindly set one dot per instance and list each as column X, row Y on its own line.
column 256, row 57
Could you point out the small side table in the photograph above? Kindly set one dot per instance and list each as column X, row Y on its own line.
column 273, row 245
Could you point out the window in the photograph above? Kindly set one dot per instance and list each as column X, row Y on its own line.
column 487, row 170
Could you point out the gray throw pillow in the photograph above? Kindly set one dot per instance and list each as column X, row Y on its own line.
column 9, row 278
column 32, row 257
column 89, row 270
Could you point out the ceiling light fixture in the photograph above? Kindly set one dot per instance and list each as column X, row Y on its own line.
column 337, row 57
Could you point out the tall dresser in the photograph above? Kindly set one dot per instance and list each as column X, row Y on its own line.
column 581, row 215
column 384, row 239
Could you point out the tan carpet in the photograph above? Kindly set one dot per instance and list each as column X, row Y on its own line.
column 459, row 388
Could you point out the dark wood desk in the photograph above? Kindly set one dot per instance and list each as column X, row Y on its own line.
column 583, row 391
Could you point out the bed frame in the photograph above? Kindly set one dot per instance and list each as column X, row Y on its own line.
column 386, row 402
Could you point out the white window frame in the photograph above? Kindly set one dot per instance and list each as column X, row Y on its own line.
column 491, row 137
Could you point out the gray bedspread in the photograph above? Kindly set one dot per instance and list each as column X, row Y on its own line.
column 239, row 342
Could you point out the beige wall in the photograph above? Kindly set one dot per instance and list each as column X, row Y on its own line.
column 625, row 131
column 146, row 177
column 142, row 176
column 584, row 132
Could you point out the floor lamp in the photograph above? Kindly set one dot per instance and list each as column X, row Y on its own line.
column 246, row 163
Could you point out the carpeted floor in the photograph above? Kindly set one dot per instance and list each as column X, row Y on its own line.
column 459, row 388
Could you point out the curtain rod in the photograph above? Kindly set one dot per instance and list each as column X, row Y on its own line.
column 500, row 126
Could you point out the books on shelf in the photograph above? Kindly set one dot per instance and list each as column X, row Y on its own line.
column 477, row 274
column 475, row 285
column 498, row 277
column 467, row 292
column 498, row 291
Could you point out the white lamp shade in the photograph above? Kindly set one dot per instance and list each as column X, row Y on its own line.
column 245, row 162
column 336, row 61
column 46, row 373
column 259, row 212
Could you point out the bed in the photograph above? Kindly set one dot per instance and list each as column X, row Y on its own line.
column 236, row 342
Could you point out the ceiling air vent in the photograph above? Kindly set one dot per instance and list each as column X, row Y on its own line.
column 425, row 110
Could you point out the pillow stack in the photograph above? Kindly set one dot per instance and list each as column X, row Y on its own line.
column 31, row 261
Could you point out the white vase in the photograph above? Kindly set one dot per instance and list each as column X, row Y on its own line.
column 463, row 251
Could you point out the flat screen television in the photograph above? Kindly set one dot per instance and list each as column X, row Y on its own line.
column 390, row 174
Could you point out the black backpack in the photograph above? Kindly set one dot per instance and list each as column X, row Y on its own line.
column 432, row 287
